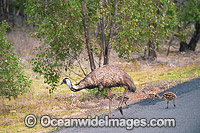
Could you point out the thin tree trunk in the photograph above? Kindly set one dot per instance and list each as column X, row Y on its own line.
column 107, row 46
column 14, row 12
column 5, row 10
column 1, row 10
column 20, row 8
column 170, row 42
column 23, row 14
column 152, row 50
column 103, row 38
column 80, row 65
column 89, row 49
column 195, row 38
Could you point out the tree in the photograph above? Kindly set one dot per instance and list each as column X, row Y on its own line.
column 12, row 11
column 144, row 22
column 12, row 78
column 67, row 27
column 189, row 14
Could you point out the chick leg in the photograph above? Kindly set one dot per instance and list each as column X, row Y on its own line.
column 174, row 103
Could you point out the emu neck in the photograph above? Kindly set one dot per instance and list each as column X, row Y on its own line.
column 160, row 97
column 145, row 93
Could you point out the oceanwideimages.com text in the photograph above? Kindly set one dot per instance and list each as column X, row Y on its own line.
column 129, row 123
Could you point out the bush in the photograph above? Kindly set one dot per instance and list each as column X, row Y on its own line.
column 12, row 79
column 96, row 93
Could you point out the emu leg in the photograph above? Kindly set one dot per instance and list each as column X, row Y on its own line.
column 174, row 103
column 110, row 101
column 121, row 102
column 126, row 104
column 167, row 104
column 154, row 102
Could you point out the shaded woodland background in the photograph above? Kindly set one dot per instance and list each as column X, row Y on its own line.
column 188, row 33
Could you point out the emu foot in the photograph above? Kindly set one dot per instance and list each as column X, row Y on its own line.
column 120, row 109
column 109, row 115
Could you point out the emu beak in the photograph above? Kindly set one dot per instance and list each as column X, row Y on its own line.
column 62, row 83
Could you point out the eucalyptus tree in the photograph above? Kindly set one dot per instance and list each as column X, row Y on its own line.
column 189, row 14
column 68, row 28
column 144, row 22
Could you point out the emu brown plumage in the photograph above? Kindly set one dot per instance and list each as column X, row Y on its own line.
column 125, row 99
column 152, row 96
column 106, row 77
column 168, row 96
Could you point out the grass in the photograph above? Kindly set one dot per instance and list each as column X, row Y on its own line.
column 165, row 75
column 38, row 101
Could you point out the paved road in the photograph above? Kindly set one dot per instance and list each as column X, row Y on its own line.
column 186, row 113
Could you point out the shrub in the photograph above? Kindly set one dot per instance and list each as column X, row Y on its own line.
column 12, row 79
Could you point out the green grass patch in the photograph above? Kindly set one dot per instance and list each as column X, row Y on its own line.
column 165, row 75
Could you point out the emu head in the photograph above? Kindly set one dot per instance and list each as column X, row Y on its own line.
column 67, row 82
column 156, row 96
column 159, row 96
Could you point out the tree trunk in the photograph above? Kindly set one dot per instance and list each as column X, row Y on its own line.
column 23, row 14
column 195, row 38
column 89, row 49
column 5, row 10
column 183, row 46
column 107, row 46
column 1, row 11
column 152, row 50
column 170, row 42
column 103, row 37
column 14, row 12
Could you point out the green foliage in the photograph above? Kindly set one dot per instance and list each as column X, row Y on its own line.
column 60, row 27
column 96, row 92
column 141, row 21
column 184, row 32
column 61, row 31
column 12, row 79
column 189, row 13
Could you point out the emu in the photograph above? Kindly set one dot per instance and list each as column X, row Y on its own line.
column 152, row 96
column 168, row 96
column 126, row 98
column 105, row 77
